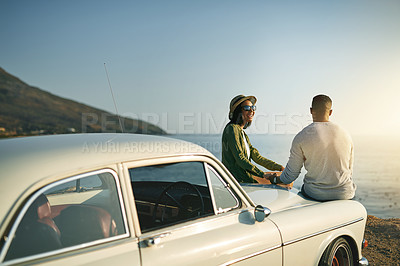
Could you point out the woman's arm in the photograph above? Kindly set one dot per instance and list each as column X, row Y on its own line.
column 257, row 158
column 233, row 136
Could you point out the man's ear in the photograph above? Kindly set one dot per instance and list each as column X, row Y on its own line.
column 330, row 112
column 310, row 110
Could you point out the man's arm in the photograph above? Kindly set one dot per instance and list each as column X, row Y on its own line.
column 294, row 165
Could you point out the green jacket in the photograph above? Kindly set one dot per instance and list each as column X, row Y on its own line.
column 234, row 156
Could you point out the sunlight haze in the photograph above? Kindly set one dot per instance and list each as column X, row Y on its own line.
column 179, row 63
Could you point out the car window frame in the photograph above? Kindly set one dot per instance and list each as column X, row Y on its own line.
column 243, row 200
column 31, row 198
column 207, row 168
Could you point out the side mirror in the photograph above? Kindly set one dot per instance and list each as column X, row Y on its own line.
column 261, row 212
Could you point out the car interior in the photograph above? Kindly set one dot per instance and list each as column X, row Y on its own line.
column 172, row 193
column 67, row 215
column 165, row 203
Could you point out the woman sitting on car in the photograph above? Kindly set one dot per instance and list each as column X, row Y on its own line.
column 237, row 151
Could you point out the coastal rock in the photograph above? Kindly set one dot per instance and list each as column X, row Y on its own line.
column 27, row 110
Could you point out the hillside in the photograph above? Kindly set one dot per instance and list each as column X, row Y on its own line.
column 27, row 110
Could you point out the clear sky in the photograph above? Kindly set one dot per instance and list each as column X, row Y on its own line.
column 179, row 63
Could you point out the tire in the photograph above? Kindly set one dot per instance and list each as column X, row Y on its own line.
column 338, row 253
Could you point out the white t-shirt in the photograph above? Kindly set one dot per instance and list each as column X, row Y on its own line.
column 246, row 144
column 326, row 151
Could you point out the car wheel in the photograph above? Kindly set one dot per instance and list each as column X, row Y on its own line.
column 338, row 253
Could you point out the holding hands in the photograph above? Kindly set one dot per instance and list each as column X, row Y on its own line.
column 273, row 178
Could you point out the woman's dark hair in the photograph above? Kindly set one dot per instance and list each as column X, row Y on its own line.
column 237, row 117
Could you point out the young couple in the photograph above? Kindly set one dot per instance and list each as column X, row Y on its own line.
column 324, row 148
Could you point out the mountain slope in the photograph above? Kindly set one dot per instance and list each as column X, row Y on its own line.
column 30, row 110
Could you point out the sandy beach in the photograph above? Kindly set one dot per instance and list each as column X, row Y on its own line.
column 383, row 237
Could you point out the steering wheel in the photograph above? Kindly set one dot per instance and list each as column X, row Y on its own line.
column 172, row 193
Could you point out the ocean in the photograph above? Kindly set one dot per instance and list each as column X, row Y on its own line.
column 376, row 166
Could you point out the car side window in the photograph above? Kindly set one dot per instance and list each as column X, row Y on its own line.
column 225, row 199
column 170, row 193
column 79, row 210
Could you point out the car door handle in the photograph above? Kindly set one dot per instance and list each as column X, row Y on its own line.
column 154, row 240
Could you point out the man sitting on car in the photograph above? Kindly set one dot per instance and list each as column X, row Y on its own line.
column 326, row 151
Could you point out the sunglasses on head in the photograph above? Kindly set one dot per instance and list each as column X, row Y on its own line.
column 249, row 107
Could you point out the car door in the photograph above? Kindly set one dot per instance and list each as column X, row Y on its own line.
column 189, row 214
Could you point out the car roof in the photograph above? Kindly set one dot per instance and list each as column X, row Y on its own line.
column 28, row 160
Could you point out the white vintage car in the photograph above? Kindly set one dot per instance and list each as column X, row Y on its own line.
column 123, row 199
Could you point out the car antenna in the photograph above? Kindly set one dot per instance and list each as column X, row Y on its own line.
column 112, row 94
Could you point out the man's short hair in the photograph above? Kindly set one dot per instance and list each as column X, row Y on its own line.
column 321, row 103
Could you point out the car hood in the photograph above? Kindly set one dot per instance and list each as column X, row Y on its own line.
column 276, row 198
